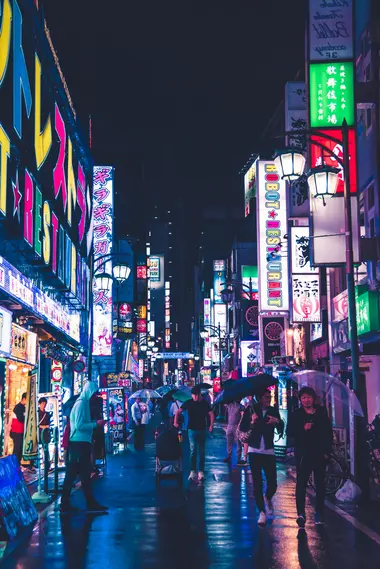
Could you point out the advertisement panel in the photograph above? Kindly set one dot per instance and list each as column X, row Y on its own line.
column 295, row 111
column 331, row 94
column 367, row 312
column 207, row 311
column 123, row 325
column 250, row 280
column 30, row 441
column 250, row 320
column 5, row 332
column 319, row 156
column 250, row 357
column 306, row 298
column 116, row 414
column 328, row 231
column 154, row 269
column 249, row 187
column 220, row 316
column 272, row 227
column 103, row 235
column 220, row 277
column 330, row 30
column 316, row 331
column 273, row 329
column 301, row 250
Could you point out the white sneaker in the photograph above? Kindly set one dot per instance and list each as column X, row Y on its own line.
column 201, row 476
column 269, row 507
column 262, row 519
column 193, row 475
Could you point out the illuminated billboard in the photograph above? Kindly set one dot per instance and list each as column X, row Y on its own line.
column 272, row 221
column 250, row 280
column 103, row 236
column 330, row 30
column 306, row 298
column 331, row 94
column 220, row 276
column 154, row 269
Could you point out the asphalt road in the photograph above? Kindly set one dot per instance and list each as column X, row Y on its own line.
column 209, row 526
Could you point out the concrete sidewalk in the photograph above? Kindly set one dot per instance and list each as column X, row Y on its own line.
column 208, row 526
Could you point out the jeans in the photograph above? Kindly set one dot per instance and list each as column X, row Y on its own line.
column 139, row 437
column 267, row 463
column 79, row 463
column 197, row 440
column 305, row 466
column 231, row 437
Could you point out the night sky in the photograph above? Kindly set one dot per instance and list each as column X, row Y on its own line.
column 179, row 92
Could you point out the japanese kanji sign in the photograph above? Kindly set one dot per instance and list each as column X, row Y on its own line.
column 331, row 94
column 103, row 235
column 30, row 442
column 306, row 298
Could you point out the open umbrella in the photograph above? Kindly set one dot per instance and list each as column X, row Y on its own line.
column 254, row 385
column 164, row 389
column 183, row 394
column 204, row 385
column 326, row 385
column 146, row 394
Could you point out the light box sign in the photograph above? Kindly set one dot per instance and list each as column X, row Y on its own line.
column 316, row 332
column 321, row 157
column 5, row 332
column 220, row 276
column 306, row 298
column 46, row 167
column 51, row 311
column 330, row 29
column 295, row 111
column 272, row 338
column 331, row 94
column 250, row 280
column 207, row 311
column 154, row 269
column 103, row 236
column 250, row 358
column 367, row 312
column 272, row 228
column 301, row 250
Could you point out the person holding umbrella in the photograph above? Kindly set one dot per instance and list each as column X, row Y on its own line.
column 310, row 429
column 199, row 412
column 264, row 420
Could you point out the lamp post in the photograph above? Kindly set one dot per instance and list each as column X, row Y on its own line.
column 121, row 272
column 206, row 334
column 323, row 183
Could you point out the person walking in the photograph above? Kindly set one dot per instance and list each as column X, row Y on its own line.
column 138, row 411
column 199, row 414
column 234, row 413
column 81, row 432
column 264, row 420
column 17, row 431
column 310, row 429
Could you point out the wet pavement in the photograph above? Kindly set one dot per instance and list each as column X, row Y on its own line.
column 211, row 526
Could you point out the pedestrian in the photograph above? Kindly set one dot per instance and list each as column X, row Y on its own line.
column 44, row 437
column 234, row 412
column 264, row 420
column 310, row 429
column 246, row 403
column 81, row 432
column 138, row 411
column 17, row 430
column 199, row 413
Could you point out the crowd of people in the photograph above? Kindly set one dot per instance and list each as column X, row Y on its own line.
column 251, row 425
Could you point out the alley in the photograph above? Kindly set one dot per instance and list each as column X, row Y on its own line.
column 210, row 527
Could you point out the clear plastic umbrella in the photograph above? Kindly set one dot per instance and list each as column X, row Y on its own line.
column 327, row 386
column 146, row 394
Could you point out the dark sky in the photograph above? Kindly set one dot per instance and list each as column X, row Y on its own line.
column 179, row 92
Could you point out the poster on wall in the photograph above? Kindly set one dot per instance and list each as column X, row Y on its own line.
column 103, row 237
column 30, row 444
column 330, row 30
column 272, row 219
column 116, row 414
column 273, row 329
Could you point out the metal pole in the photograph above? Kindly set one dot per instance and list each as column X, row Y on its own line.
column 353, row 330
column 220, row 356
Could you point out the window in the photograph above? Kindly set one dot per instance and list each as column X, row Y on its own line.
column 367, row 73
column 371, row 196
column 368, row 118
column 372, row 231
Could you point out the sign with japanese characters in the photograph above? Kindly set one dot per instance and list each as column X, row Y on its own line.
column 116, row 414
column 300, row 247
column 220, row 277
column 330, row 29
column 331, row 152
column 295, row 111
column 103, row 235
column 306, row 298
column 367, row 312
column 331, row 94
column 272, row 220
column 154, row 269
column 30, row 441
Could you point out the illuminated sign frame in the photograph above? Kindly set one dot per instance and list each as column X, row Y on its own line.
column 272, row 219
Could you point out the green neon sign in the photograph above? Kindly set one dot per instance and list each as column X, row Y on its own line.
column 367, row 312
column 331, row 94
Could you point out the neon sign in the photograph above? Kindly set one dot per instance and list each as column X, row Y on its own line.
column 272, row 225
column 45, row 174
column 103, row 235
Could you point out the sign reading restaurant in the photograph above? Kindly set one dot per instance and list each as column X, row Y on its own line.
column 45, row 174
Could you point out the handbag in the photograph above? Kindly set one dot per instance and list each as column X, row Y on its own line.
column 243, row 433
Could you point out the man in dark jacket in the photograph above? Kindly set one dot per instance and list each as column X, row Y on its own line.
column 265, row 419
column 311, row 431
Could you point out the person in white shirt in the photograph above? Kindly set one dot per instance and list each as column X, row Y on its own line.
column 139, row 411
column 173, row 408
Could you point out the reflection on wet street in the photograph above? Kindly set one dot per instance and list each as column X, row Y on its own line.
column 210, row 526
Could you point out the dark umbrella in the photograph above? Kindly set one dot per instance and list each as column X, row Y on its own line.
column 67, row 407
column 242, row 388
column 204, row 385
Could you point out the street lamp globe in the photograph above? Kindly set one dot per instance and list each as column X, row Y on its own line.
column 151, row 343
column 121, row 272
column 104, row 281
column 290, row 163
column 323, row 182
column 155, row 349
column 143, row 348
column 204, row 334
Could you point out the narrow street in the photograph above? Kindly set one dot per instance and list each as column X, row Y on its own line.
column 210, row 527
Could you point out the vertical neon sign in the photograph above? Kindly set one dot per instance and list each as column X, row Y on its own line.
column 103, row 235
